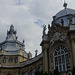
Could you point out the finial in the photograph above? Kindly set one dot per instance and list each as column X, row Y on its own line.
column 48, row 27
column 23, row 41
column 11, row 27
column 65, row 4
column 36, row 52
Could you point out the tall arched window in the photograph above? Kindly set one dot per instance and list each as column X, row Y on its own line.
column 61, row 58
column 4, row 59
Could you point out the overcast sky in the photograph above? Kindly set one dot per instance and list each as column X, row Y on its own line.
column 28, row 17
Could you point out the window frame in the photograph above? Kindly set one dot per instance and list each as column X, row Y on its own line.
column 60, row 53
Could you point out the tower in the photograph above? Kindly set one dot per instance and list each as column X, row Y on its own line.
column 58, row 45
column 11, row 50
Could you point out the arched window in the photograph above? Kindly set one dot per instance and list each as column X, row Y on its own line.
column 40, row 68
column 61, row 58
column 4, row 59
column 10, row 60
column 32, row 72
column 16, row 59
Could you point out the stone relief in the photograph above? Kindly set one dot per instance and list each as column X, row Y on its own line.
column 57, row 36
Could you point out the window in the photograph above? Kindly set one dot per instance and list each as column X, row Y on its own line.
column 4, row 59
column 61, row 58
column 9, row 74
column 40, row 68
column 10, row 60
column 16, row 59
column 32, row 72
column 24, row 73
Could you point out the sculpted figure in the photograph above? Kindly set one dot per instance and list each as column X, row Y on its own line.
column 44, row 29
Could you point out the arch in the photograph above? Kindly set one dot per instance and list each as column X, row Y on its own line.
column 61, row 58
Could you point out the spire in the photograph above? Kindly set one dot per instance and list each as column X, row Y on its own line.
column 65, row 4
column 11, row 34
column 11, row 27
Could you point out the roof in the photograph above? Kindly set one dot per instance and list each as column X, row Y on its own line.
column 11, row 43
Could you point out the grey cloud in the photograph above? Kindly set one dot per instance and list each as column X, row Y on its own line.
column 24, row 16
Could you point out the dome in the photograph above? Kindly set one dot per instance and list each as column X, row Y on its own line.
column 66, row 16
column 65, row 12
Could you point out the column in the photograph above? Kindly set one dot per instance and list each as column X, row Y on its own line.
column 73, row 51
column 45, row 61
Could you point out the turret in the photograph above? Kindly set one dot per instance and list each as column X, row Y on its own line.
column 11, row 34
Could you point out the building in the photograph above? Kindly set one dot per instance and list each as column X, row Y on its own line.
column 58, row 48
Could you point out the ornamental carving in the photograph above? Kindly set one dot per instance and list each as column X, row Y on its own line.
column 58, row 36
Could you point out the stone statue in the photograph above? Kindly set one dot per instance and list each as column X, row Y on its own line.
column 70, row 16
column 54, row 20
column 62, row 22
column 44, row 29
column 48, row 27
column 36, row 52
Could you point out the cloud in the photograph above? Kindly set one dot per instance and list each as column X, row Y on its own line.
column 28, row 16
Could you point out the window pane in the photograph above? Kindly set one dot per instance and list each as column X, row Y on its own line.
column 55, row 53
column 67, row 58
column 16, row 59
column 65, row 50
column 60, row 68
column 10, row 60
column 62, row 52
column 64, row 67
column 63, row 59
column 59, row 53
column 4, row 59
column 59, row 59
column 56, row 67
column 56, row 61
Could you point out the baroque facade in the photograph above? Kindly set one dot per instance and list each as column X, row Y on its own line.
column 58, row 48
